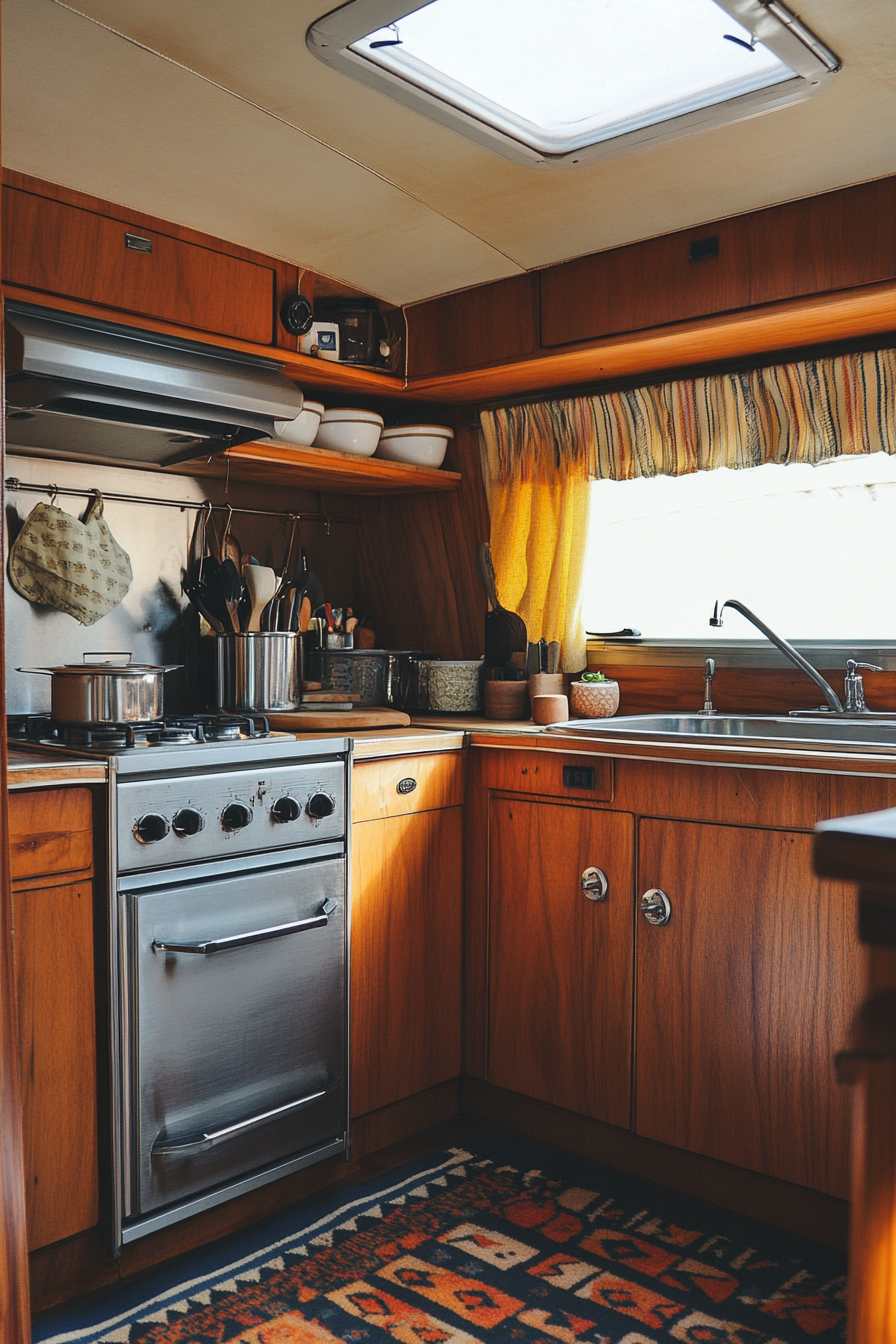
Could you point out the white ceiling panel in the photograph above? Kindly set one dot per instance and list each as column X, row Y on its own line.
column 435, row 212
column 88, row 110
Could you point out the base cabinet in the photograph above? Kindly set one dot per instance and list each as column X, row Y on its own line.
column 407, row 881
column 743, row 998
column 715, row 1032
column 53, row 959
column 560, row 964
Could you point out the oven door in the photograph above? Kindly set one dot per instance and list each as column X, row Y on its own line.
column 233, row 1007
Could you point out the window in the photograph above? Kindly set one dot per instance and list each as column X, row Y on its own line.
column 810, row 549
column 571, row 81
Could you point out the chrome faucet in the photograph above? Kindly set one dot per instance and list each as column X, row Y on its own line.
column 788, row 651
column 709, row 671
column 855, row 692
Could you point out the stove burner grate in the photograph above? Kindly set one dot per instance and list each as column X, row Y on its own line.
column 105, row 738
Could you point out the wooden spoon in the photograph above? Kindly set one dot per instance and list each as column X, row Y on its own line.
column 261, row 584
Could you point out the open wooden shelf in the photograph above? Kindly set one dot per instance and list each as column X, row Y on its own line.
column 319, row 469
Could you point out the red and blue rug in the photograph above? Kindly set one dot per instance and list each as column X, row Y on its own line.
column 499, row 1242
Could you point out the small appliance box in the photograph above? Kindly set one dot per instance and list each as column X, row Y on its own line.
column 321, row 340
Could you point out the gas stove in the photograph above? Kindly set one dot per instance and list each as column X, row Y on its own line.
column 161, row 746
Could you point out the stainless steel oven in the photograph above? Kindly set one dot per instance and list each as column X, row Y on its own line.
column 228, row 924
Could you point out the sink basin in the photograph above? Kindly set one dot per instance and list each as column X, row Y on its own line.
column 819, row 734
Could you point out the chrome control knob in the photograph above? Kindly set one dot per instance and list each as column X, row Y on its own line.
column 150, row 828
column 235, row 816
column 187, row 822
column 320, row 805
column 285, row 809
column 595, row 884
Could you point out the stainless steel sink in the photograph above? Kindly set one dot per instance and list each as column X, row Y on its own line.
column 816, row 734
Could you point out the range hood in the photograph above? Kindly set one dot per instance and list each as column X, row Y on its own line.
column 95, row 391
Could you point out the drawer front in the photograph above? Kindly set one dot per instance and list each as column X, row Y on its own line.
column 393, row 788
column 61, row 249
column 50, row 832
column 551, row 774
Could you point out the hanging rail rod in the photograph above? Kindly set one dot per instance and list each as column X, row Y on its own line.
column 13, row 483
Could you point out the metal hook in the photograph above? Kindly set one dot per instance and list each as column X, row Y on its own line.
column 54, row 495
column 227, row 526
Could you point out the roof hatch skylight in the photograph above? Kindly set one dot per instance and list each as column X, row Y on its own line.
column 562, row 82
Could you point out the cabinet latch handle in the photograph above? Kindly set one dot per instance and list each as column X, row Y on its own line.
column 595, row 884
column 656, row 906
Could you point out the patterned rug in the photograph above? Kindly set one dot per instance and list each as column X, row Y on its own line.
column 500, row 1242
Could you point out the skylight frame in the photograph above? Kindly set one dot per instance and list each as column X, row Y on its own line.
column 814, row 65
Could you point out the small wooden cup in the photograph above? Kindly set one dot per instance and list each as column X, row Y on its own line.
column 506, row 700
column 547, row 683
column 550, row 709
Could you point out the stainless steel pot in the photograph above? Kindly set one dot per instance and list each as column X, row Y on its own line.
column 258, row 673
column 102, row 691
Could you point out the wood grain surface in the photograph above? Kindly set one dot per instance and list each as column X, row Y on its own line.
column 318, row 469
column 872, row 1272
column 560, row 965
column 735, row 690
column 738, row 796
column 60, row 249
column 50, row 832
column 742, row 1000
column 541, row 773
column 417, row 562
column 53, row 947
column 337, row 720
column 829, row 242
column 406, row 955
column 486, row 325
column 438, row 781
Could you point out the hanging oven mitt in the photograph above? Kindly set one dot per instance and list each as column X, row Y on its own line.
column 79, row 568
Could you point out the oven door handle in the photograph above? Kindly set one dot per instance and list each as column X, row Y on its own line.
column 200, row 1143
column 244, row 939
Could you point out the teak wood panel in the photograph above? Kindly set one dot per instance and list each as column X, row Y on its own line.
column 486, row 325
column 742, row 1000
column 729, row 794
column 735, row 690
column 50, row 832
column 560, row 966
column 417, row 562
column 405, row 955
column 541, row 772
column 834, row 241
column 438, row 781
column 57, row 248
column 53, row 954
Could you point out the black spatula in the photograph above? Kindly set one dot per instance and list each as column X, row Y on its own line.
column 505, row 632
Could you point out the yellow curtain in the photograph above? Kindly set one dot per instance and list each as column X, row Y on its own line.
column 538, row 460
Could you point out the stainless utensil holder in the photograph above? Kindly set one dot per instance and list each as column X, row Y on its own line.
column 259, row 673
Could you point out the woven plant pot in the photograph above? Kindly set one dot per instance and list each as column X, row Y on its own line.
column 594, row 699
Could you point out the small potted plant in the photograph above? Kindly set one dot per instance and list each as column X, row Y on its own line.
column 594, row 696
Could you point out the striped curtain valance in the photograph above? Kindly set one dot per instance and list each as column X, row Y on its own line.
column 808, row 411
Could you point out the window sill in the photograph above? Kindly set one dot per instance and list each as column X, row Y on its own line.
column 824, row 654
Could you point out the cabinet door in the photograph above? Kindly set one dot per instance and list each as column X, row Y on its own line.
column 53, row 958
column 405, row 955
column 742, row 1000
column 61, row 249
column 560, row 965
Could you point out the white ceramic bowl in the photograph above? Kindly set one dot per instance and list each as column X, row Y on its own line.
column 423, row 445
column 303, row 429
column 348, row 430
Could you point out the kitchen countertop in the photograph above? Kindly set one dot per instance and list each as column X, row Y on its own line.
column 36, row 769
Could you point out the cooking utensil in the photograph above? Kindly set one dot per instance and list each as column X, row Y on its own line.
column 261, row 584
column 505, row 632
column 304, row 613
column 553, row 657
column 99, row 691
column 232, row 591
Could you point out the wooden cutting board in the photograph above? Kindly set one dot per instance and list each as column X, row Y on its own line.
column 338, row 721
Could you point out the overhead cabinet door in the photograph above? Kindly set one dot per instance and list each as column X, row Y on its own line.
column 560, row 962
column 742, row 1000
column 56, row 248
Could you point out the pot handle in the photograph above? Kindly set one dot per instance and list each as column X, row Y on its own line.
column 39, row 671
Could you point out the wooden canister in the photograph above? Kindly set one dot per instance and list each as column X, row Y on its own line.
column 506, row 700
column 547, row 683
column 550, row 709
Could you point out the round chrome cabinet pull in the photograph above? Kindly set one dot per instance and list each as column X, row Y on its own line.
column 595, row 884
column 656, row 906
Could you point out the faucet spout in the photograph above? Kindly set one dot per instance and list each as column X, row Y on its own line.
column 788, row 650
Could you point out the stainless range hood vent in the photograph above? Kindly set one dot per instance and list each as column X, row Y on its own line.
column 91, row 390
